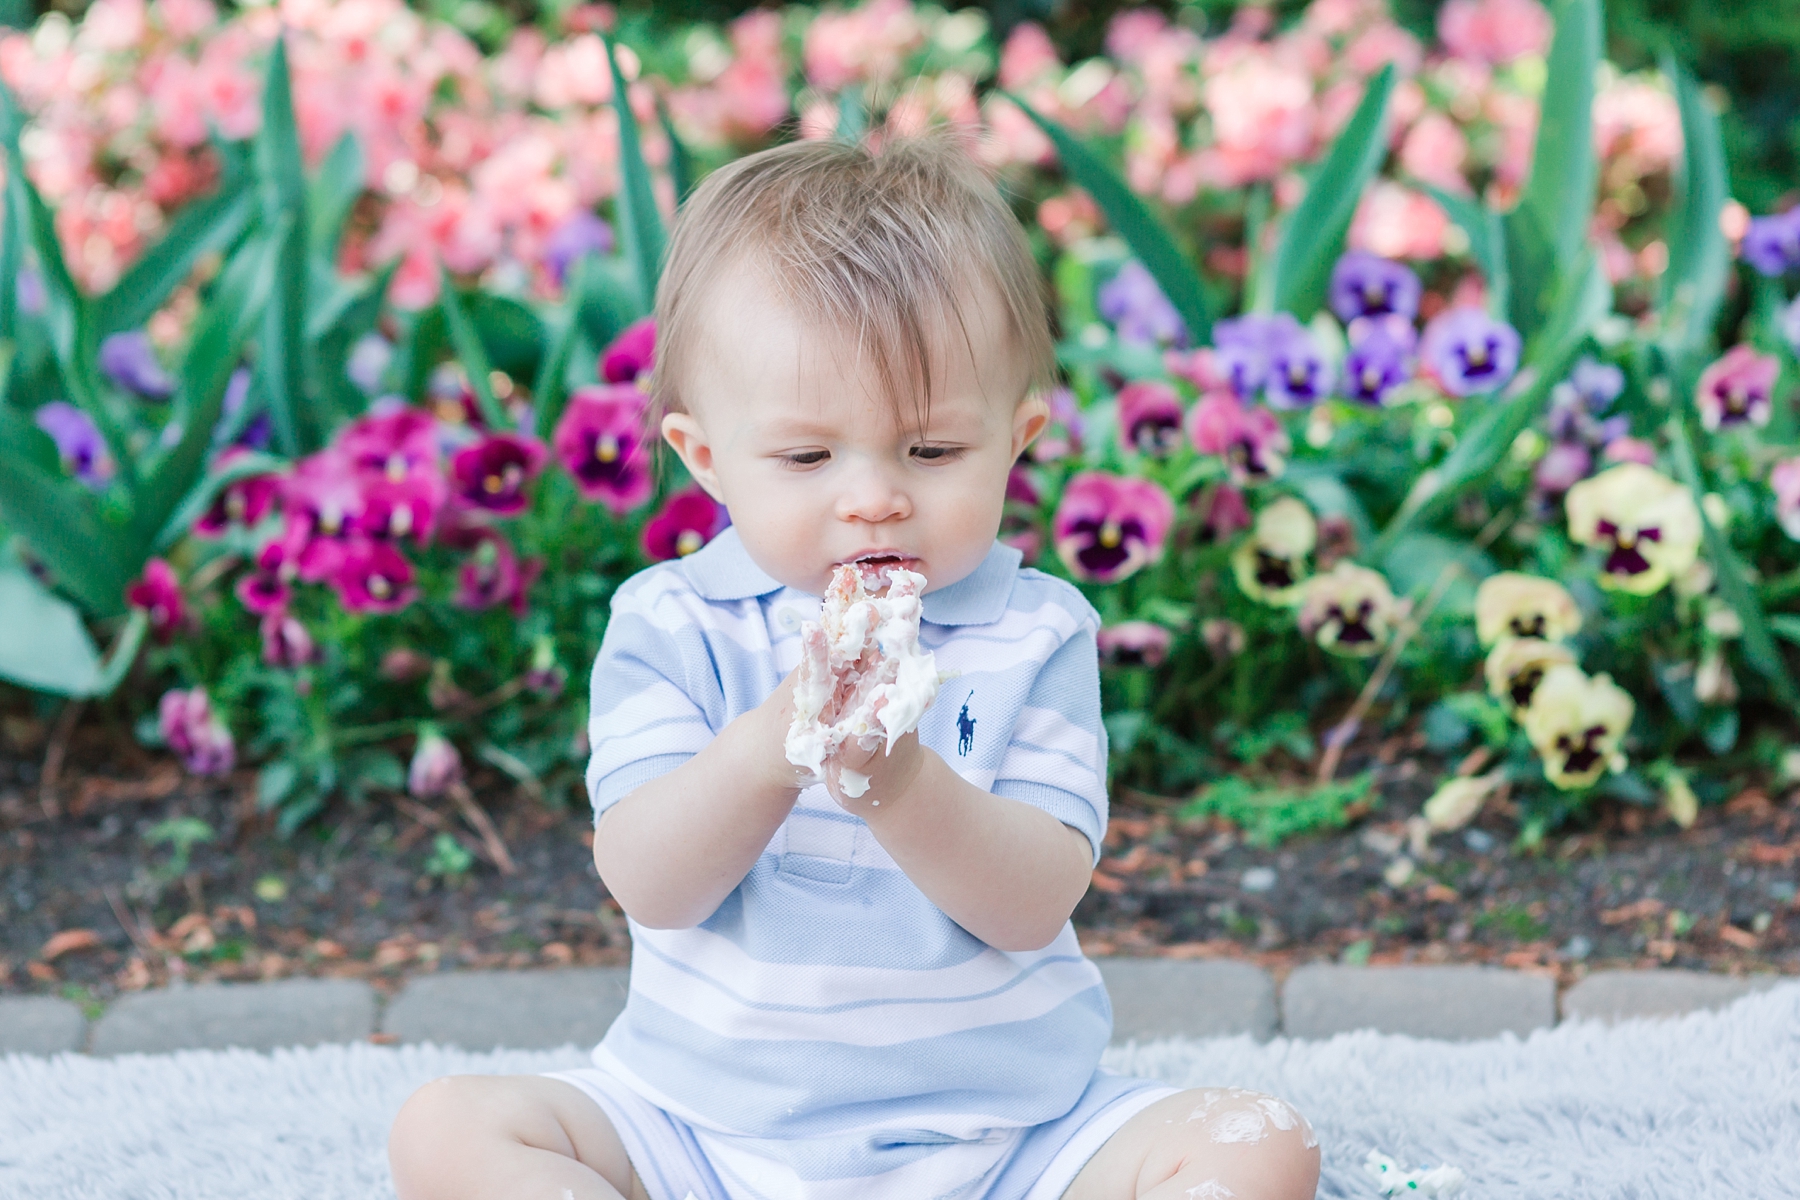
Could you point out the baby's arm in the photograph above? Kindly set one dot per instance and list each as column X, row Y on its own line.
column 1006, row 871
column 673, row 848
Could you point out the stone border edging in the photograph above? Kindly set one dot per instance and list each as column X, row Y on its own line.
column 1152, row 998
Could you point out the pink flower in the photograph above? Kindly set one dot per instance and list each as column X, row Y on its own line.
column 195, row 733
column 241, row 502
column 373, row 577
column 322, row 498
column 1149, row 417
column 1134, row 644
column 285, row 641
column 1494, row 31
column 1433, row 152
column 689, row 519
column 435, row 766
column 600, row 440
column 396, row 444
column 396, row 510
column 1784, row 481
column 631, row 354
column 1630, row 449
column 1563, row 466
column 1263, row 115
column 1738, row 389
column 1027, row 56
column 1394, row 221
column 491, row 474
column 1225, row 512
column 1109, row 526
column 1250, row 440
column 492, row 575
column 158, row 593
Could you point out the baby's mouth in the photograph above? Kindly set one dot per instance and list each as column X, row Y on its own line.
column 876, row 568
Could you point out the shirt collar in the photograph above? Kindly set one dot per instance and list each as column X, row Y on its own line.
column 724, row 570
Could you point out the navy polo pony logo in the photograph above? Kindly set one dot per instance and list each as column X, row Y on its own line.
column 965, row 729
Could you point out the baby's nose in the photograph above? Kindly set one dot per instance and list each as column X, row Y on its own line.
column 870, row 495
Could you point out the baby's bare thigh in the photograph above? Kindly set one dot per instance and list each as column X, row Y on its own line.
column 456, row 1130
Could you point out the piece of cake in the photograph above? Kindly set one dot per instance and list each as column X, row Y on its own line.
column 863, row 675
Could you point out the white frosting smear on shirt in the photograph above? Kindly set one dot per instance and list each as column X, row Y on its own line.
column 863, row 675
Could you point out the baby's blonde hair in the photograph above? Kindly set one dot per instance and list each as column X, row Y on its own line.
column 877, row 245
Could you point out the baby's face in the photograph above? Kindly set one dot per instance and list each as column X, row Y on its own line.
column 817, row 468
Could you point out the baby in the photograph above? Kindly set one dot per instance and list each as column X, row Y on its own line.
column 874, row 990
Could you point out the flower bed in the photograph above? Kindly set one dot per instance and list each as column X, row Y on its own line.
column 330, row 349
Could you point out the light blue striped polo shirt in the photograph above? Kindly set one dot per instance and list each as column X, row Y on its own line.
column 828, row 1011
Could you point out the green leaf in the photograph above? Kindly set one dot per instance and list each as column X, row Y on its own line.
column 1693, row 286
column 218, row 337
column 295, row 420
column 57, row 518
column 1487, row 241
column 550, row 385
column 640, row 225
column 470, row 353
column 1548, row 230
column 853, row 116
column 213, row 223
column 1785, row 626
column 333, row 194
column 43, row 643
column 1584, row 298
column 1312, row 235
column 1759, row 646
column 1132, row 219
column 681, row 161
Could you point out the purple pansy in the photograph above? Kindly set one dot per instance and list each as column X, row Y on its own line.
column 1149, row 417
column 1368, row 285
column 322, row 498
column 580, row 233
column 1563, row 465
column 631, row 354
column 435, row 766
column 241, row 502
column 1469, row 351
column 688, row 520
column 1378, row 363
column 373, row 577
column 1299, row 373
column 1772, row 244
column 1738, row 389
column 130, row 361
column 493, row 575
column 195, row 733
column 600, row 440
column 491, row 474
column 1134, row 644
column 158, row 593
column 78, row 442
column 1135, row 305
column 1250, row 439
column 285, row 641
column 1108, row 526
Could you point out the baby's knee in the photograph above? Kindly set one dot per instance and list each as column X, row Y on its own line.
column 448, row 1114
column 1243, row 1130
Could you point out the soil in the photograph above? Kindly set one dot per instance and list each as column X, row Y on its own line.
column 90, row 908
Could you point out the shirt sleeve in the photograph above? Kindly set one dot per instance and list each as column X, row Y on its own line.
column 1056, row 760
column 652, row 685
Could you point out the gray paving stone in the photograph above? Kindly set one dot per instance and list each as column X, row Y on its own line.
column 1620, row 995
column 40, row 1025
column 1166, row 997
column 521, row 1010
column 1452, row 1002
column 256, row 1016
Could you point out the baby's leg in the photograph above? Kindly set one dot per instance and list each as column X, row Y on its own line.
column 1206, row 1144
column 507, row 1137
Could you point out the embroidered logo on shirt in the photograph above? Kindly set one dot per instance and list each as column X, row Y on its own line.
column 965, row 729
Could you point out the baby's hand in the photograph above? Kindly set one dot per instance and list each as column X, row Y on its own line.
column 874, row 775
column 771, row 719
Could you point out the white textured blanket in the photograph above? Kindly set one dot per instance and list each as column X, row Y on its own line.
column 1703, row 1105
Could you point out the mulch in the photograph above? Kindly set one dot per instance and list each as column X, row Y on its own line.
column 90, row 909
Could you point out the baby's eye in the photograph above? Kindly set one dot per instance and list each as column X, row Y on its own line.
column 937, row 453
column 806, row 458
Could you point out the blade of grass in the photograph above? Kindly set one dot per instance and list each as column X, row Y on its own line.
column 640, row 225
column 1132, row 219
column 470, row 353
column 1312, row 235
column 1760, row 650
column 1693, row 285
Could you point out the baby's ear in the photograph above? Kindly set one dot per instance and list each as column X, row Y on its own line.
column 1029, row 420
column 688, row 440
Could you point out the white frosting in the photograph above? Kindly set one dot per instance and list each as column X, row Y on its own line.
column 863, row 675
